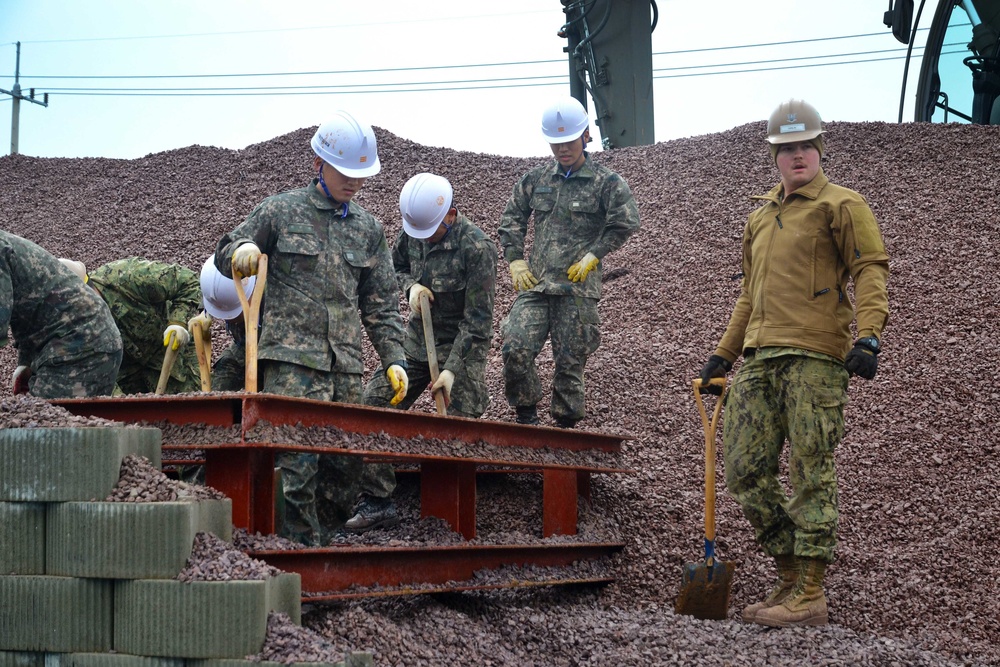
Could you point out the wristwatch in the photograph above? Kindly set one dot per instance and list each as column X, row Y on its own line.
column 871, row 342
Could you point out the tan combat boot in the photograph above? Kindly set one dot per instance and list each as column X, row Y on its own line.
column 788, row 574
column 806, row 605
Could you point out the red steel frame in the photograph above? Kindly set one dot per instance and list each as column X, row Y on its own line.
column 244, row 471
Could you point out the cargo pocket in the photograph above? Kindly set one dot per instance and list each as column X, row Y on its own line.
column 298, row 251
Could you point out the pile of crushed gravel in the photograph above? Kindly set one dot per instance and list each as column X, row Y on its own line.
column 140, row 482
column 24, row 411
column 915, row 578
column 214, row 559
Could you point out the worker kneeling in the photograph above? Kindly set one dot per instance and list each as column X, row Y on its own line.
column 440, row 253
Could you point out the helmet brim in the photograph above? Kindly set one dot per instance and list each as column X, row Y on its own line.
column 363, row 172
column 417, row 233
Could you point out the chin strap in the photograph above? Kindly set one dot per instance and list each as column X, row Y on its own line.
column 322, row 183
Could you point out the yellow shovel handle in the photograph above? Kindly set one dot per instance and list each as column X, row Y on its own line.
column 710, row 428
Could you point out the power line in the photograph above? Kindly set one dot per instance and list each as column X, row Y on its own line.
column 458, row 84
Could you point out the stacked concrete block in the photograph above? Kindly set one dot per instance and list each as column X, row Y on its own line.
column 88, row 583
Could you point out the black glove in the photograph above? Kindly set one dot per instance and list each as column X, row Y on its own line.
column 716, row 367
column 862, row 359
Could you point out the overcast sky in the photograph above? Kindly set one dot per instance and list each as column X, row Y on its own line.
column 388, row 59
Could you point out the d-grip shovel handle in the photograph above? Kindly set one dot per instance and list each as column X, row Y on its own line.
column 710, row 428
column 251, row 315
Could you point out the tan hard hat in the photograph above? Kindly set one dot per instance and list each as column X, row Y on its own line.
column 79, row 268
column 794, row 120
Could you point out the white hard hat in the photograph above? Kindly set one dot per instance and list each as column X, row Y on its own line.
column 424, row 202
column 218, row 293
column 564, row 121
column 79, row 268
column 348, row 146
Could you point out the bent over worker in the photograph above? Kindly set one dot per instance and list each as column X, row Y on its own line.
column 792, row 324
column 67, row 343
column 151, row 302
column 330, row 273
column 440, row 253
column 582, row 211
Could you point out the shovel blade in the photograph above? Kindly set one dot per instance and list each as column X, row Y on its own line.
column 705, row 590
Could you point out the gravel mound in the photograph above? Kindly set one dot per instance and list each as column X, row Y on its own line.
column 914, row 583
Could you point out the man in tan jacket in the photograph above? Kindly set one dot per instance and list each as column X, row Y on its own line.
column 792, row 325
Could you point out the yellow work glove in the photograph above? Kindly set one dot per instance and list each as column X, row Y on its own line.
column 180, row 335
column 415, row 293
column 444, row 383
column 578, row 272
column 203, row 319
column 400, row 383
column 245, row 259
column 521, row 275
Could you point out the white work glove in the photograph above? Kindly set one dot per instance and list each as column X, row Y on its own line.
column 399, row 381
column 180, row 334
column 245, row 259
column 415, row 293
column 203, row 319
column 19, row 380
column 445, row 381
column 578, row 272
column 522, row 276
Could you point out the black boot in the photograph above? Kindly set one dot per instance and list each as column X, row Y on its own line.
column 527, row 414
column 372, row 512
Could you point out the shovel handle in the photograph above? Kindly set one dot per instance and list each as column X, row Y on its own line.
column 169, row 357
column 251, row 315
column 203, row 348
column 432, row 359
column 710, row 428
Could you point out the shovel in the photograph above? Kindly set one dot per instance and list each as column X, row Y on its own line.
column 705, row 589
column 169, row 357
column 432, row 358
column 251, row 315
column 203, row 348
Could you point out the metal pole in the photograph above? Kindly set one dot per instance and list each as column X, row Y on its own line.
column 15, row 113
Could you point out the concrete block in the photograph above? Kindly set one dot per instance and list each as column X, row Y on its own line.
column 64, row 464
column 55, row 614
column 108, row 660
column 129, row 540
column 22, row 539
column 202, row 619
column 22, row 659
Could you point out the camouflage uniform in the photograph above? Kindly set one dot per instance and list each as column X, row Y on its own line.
column 460, row 270
column 61, row 328
column 145, row 297
column 229, row 370
column 792, row 324
column 590, row 211
column 325, row 262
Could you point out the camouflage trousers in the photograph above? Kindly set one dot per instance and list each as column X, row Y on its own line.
column 469, row 395
column 799, row 399
column 62, row 377
column 229, row 370
column 573, row 325
column 340, row 479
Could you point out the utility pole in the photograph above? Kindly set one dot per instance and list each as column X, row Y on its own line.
column 16, row 97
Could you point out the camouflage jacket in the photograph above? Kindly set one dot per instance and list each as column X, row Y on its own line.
column 324, row 265
column 145, row 297
column 461, row 271
column 51, row 313
column 591, row 211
